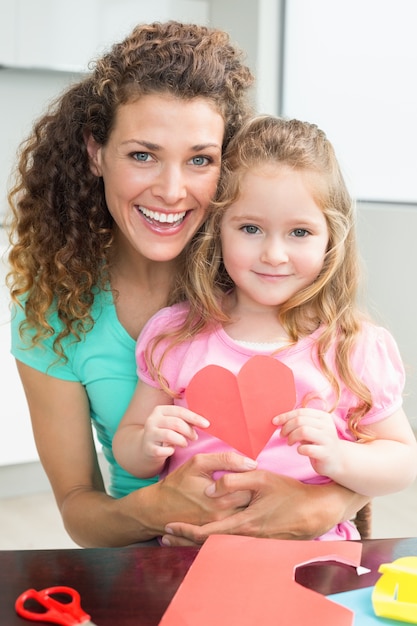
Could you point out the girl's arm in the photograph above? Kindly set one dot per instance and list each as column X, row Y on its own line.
column 61, row 424
column 150, row 430
column 386, row 464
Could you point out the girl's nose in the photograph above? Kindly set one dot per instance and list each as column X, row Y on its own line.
column 170, row 185
column 274, row 252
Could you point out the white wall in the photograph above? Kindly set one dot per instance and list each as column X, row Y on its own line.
column 66, row 35
column 386, row 234
column 24, row 94
column 16, row 441
column 350, row 68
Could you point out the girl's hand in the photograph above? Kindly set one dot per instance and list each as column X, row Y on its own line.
column 169, row 426
column 315, row 434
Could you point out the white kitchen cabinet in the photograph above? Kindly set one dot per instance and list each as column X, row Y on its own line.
column 61, row 35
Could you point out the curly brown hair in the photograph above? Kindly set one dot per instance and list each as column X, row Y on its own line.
column 60, row 227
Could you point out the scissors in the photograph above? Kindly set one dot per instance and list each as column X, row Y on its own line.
column 66, row 611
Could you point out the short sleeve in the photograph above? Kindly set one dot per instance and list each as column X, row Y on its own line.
column 165, row 319
column 381, row 368
column 40, row 356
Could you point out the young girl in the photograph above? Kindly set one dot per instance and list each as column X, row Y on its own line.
column 276, row 272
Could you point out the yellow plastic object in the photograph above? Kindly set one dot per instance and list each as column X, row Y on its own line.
column 395, row 593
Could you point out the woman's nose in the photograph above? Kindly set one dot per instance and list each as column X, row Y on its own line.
column 170, row 185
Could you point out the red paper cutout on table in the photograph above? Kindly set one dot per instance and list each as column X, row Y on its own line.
column 240, row 408
column 248, row 581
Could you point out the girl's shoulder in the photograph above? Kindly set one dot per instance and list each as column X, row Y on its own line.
column 376, row 350
column 375, row 338
column 175, row 313
column 167, row 318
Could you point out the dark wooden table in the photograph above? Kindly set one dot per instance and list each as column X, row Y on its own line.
column 133, row 586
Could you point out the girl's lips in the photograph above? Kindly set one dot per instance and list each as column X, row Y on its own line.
column 263, row 275
column 162, row 219
column 273, row 279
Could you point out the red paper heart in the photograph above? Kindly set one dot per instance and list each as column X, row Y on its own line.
column 240, row 408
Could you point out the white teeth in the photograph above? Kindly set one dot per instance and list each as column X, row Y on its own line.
column 169, row 218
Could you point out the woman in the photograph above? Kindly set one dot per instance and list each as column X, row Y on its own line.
column 113, row 183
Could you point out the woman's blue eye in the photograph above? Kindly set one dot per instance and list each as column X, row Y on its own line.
column 141, row 156
column 250, row 229
column 200, row 160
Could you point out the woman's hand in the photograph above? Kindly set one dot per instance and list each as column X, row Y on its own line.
column 181, row 496
column 280, row 508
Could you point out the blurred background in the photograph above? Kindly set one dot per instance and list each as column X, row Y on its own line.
column 347, row 65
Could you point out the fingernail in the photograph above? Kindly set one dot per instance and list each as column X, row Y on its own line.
column 166, row 542
column 249, row 463
column 210, row 489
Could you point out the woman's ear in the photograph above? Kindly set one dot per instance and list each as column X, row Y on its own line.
column 94, row 153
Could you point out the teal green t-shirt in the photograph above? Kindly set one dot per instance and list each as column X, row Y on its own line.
column 104, row 363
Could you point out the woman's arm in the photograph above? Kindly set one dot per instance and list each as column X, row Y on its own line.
column 281, row 508
column 61, row 425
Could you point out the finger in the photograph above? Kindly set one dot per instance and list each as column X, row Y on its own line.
column 168, row 437
column 293, row 423
column 231, row 501
column 172, row 430
column 319, row 435
column 175, row 541
column 222, row 461
column 313, row 451
column 300, row 414
column 194, row 419
column 231, row 483
column 161, row 451
column 305, row 434
column 236, row 524
column 280, row 420
column 175, row 417
column 181, row 533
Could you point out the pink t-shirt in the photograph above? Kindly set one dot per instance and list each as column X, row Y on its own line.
column 376, row 360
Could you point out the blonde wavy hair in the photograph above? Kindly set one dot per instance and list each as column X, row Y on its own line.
column 330, row 302
column 61, row 232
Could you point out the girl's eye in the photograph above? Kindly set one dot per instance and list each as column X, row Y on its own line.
column 300, row 232
column 200, row 160
column 250, row 229
column 141, row 156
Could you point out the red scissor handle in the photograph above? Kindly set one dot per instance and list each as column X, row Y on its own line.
column 65, row 613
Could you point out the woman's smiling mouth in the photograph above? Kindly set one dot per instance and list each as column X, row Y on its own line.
column 170, row 219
